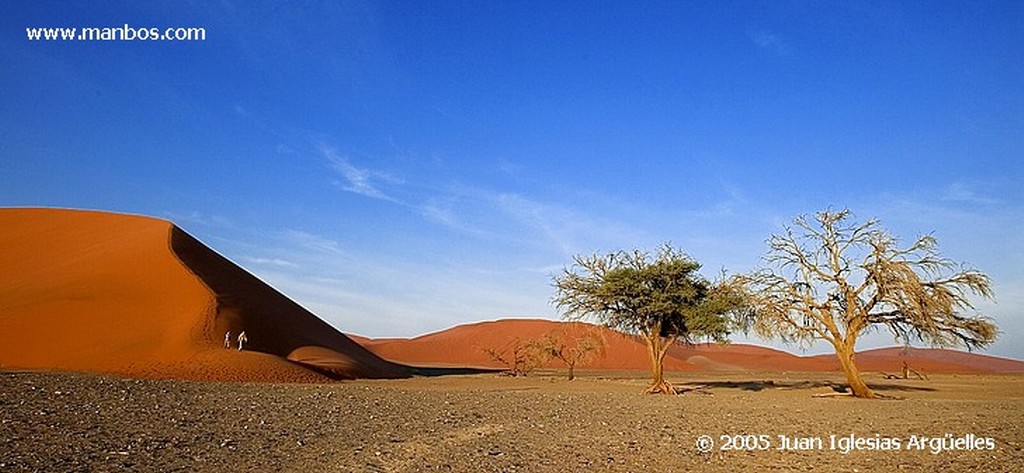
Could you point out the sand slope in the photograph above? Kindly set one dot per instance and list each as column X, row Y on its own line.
column 463, row 346
column 136, row 296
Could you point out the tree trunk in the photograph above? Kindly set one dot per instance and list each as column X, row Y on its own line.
column 657, row 355
column 857, row 385
column 572, row 375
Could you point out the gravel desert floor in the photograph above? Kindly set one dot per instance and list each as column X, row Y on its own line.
column 486, row 422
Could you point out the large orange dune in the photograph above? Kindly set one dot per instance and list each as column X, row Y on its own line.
column 465, row 345
column 137, row 296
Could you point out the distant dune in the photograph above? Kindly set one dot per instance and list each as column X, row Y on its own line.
column 930, row 360
column 137, row 296
column 464, row 345
column 740, row 357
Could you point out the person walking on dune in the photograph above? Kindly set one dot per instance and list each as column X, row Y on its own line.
column 242, row 339
column 227, row 339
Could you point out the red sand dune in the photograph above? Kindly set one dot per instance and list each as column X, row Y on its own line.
column 740, row 357
column 929, row 360
column 463, row 346
column 137, row 296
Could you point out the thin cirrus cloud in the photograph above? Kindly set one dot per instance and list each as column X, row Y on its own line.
column 358, row 180
column 309, row 241
column 479, row 212
column 278, row 262
column 443, row 210
column 503, row 217
column 960, row 192
column 771, row 42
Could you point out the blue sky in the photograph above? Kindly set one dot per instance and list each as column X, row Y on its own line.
column 399, row 168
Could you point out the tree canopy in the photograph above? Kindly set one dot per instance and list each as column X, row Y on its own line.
column 834, row 279
column 660, row 297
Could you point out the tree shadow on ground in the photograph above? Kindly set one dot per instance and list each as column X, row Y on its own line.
column 761, row 385
column 407, row 372
column 428, row 371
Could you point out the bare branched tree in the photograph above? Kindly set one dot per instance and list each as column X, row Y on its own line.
column 659, row 297
column 832, row 279
column 519, row 358
column 570, row 350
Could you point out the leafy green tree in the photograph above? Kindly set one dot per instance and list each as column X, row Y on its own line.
column 659, row 297
column 832, row 279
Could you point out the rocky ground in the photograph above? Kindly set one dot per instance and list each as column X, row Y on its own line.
column 77, row 422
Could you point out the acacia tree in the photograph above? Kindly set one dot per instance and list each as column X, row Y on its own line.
column 659, row 297
column 569, row 350
column 833, row 279
column 519, row 358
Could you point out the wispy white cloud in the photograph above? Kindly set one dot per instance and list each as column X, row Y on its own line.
column 315, row 243
column 569, row 228
column 269, row 262
column 960, row 192
column 358, row 180
column 771, row 42
column 556, row 225
column 523, row 220
column 441, row 210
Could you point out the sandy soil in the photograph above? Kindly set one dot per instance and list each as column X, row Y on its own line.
column 78, row 422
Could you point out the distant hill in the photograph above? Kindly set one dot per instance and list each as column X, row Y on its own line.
column 463, row 345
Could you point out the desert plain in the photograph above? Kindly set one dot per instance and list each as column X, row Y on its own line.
column 488, row 422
